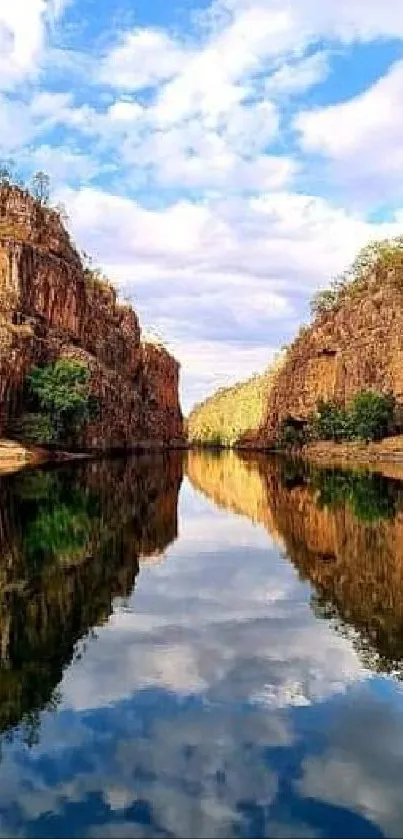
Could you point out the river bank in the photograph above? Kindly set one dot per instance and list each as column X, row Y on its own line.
column 385, row 456
column 14, row 456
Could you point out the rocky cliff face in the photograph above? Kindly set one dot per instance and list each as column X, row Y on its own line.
column 50, row 308
column 359, row 345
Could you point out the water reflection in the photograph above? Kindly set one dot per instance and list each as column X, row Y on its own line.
column 227, row 690
column 342, row 530
column 70, row 543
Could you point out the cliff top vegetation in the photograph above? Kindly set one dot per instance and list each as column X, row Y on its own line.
column 378, row 259
column 227, row 417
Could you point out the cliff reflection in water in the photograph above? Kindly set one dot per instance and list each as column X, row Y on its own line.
column 71, row 541
column 343, row 531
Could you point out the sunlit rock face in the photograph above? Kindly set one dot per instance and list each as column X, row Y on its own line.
column 49, row 308
column 359, row 345
column 70, row 543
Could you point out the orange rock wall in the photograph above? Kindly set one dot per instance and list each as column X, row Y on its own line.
column 50, row 308
column 358, row 346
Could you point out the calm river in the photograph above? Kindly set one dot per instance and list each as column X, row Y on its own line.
column 201, row 646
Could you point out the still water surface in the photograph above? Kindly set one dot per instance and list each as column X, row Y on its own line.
column 205, row 646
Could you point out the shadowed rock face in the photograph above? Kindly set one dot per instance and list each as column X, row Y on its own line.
column 49, row 309
column 343, row 531
column 71, row 541
column 358, row 346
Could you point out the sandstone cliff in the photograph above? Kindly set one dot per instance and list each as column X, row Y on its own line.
column 50, row 307
column 356, row 346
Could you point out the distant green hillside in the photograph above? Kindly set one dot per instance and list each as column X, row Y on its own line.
column 232, row 413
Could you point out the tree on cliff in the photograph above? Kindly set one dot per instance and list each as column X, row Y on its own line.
column 60, row 391
column 371, row 415
column 40, row 187
column 382, row 255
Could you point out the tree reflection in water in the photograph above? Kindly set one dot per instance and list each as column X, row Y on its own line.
column 71, row 540
column 342, row 530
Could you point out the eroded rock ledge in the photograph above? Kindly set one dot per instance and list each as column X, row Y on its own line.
column 50, row 309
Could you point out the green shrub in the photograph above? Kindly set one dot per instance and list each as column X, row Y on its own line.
column 380, row 255
column 34, row 428
column 324, row 301
column 370, row 497
column 371, row 415
column 232, row 413
column 61, row 393
column 331, row 422
column 291, row 435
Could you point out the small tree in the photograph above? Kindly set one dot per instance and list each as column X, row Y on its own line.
column 372, row 415
column 323, row 301
column 40, row 187
column 62, row 394
column 291, row 434
column 331, row 422
column 5, row 174
column 34, row 428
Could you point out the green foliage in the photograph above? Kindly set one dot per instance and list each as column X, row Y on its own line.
column 61, row 392
column 331, row 422
column 291, row 435
column 379, row 256
column 233, row 414
column 34, row 428
column 58, row 518
column 223, row 419
column 323, row 301
column 370, row 496
column 369, row 417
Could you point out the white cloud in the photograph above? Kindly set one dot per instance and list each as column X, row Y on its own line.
column 347, row 20
column 298, row 76
column 207, row 622
column 143, row 58
column 22, row 36
column 223, row 280
column 362, row 137
column 196, row 126
column 357, row 772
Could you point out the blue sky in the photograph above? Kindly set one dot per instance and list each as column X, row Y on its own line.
column 221, row 160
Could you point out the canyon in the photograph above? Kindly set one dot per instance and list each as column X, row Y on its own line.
column 354, row 344
column 52, row 308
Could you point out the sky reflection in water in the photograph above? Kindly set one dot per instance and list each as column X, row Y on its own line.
column 220, row 669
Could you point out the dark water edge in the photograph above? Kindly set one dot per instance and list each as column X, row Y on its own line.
column 200, row 644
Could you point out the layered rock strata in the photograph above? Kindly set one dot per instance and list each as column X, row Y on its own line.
column 50, row 307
